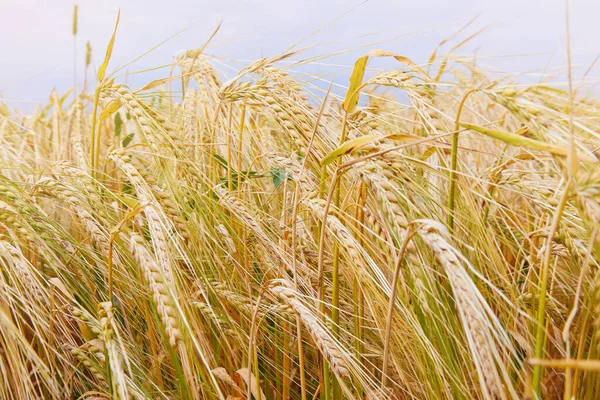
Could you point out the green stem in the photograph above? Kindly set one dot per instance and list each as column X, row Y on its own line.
column 541, row 315
column 388, row 326
column 454, row 162
column 335, row 290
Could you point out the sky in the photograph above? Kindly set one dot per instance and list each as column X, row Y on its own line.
column 526, row 36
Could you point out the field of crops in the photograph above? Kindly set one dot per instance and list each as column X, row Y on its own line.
column 429, row 233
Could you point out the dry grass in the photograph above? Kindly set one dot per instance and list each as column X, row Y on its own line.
column 240, row 238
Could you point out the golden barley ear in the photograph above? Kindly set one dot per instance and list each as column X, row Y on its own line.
column 75, row 18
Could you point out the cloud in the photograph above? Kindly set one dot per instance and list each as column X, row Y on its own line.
column 37, row 45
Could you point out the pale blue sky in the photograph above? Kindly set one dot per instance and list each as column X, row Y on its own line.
column 37, row 46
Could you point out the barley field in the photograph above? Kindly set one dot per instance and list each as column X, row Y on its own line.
column 425, row 232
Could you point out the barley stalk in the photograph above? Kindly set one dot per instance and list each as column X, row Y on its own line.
column 472, row 310
column 326, row 344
